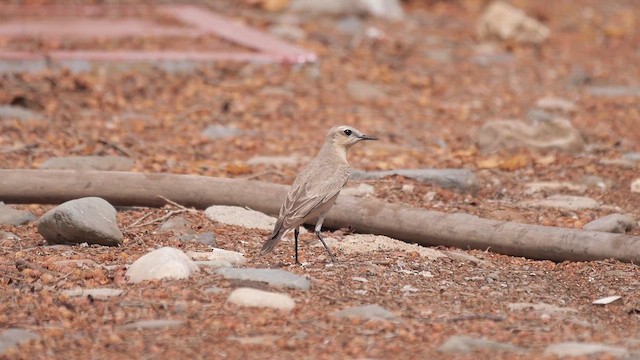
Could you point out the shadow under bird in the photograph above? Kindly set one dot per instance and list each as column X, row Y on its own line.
column 316, row 187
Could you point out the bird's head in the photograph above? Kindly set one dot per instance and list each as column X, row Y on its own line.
column 346, row 136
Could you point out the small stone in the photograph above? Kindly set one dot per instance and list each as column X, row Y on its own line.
column 14, row 217
column 556, row 104
column 613, row 91
column 5, row 235
column 273, row 277
column 365, row 91
column 177, row 225
column 96, row 294
column 595, row 181
column 258, row 298
column 635, row 186
column 276, row 161
column 632, row 156
column 232, row 258
column 152, row 324
column 614, row 223
column 255, row 340
column 83, row 163
column 466, row 344
column 558, row 134
column 206, row 238
column 213, row 290
column 367, row 312
column 541, row 308
column 386, row 9
column 546, row 186
column 566, row 202
column 216, row 132
column 359, row 190
column 89, row 220
column 460, row 179
column 607, row 300
column 18, row 112
column 163, row 263
column 12, row 337
column 504, row 22
column 407, row 188
column 572, row 349
column 623, row 163
column 239, row 216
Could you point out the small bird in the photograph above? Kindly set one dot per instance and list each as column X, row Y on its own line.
column 316, row 187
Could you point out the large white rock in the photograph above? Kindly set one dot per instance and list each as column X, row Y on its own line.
column 258, row 298
column 163, row 263
column 235, row 215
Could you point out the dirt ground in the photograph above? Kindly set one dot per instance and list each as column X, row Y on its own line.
column 428, row 119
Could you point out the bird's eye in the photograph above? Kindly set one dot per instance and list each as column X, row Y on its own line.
column 348, row 132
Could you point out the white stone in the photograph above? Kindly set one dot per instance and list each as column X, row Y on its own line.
column 363, row 243
column 584, row 349
column 542, row 186
column 152, row 324
column 258, row 298
column 541, row 308
column 96, row 294
column 164, row 263
column 233, row 258
column 504, row 22
column 635, row 186
column 607, row 300
column 553, row 103
column 239, row 216
column 566, row 202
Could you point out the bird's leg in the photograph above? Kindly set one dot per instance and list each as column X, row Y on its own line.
column 296, row 232
column 318, row 228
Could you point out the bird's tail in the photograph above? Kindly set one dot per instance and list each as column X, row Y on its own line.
column 272, row 241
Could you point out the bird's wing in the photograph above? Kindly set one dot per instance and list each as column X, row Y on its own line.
column 308, row 195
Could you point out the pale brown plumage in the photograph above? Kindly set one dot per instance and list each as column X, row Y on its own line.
column 316, row 187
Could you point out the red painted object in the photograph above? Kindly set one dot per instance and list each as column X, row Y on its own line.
column 87, row 22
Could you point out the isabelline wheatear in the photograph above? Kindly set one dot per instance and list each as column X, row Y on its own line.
column 316, row 187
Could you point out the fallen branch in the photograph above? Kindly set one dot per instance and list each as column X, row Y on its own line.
column 406, row 223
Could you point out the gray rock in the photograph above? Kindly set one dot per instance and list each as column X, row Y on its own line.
column 13, row 337
column 614, row 223
column 365, row 91
column 595, row 181
column 465, row 344
column 206, row 238
column 215, row 132
column 91, row 220
column 258, row 298
column 225, row 257
column 460, row 179
column 176, row 225
column 556, row 104
column 584, row 349
column 273, row 277
column 613, row 91
column 367, row 312
column 566, row 202
column 350, row 25
column 386, row 9
column 83, row 163
column 557, row 134
column 163, row 263
column 152, row 324
column 14, row 217
column 96, row 294
column 235, row 215
column 20, row 113
column 504, row 22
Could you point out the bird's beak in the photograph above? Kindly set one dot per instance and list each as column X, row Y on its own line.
column 367, row 137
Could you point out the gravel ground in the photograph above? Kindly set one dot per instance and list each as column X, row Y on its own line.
column 434, row 86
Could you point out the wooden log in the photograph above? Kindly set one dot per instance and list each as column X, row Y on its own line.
column 402, row 222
